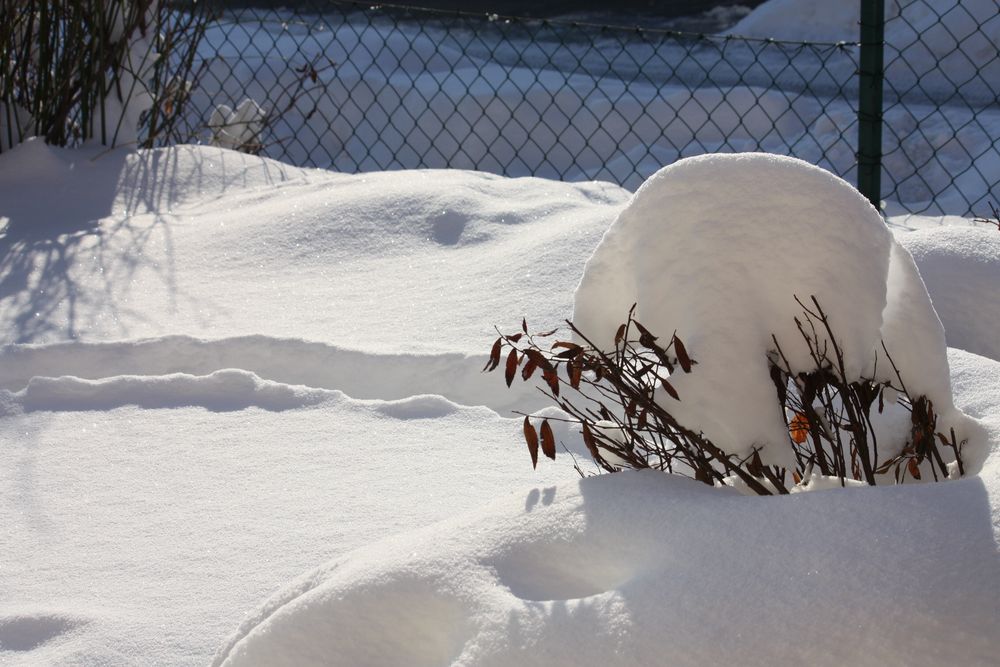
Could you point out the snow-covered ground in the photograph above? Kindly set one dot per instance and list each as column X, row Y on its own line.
column 242, row 419
column 223, row 371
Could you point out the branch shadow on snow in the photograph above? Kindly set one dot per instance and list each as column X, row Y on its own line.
column 52, row 219
column 76, row 227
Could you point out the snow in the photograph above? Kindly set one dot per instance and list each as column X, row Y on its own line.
column 181, row 441
column 639, row 567
column 219, row 371
column 961, row 267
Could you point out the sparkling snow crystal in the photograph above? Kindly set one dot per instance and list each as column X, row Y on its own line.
column 718, row 247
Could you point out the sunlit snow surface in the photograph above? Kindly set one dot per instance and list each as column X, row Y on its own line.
column 222, row 371
column 592, row 572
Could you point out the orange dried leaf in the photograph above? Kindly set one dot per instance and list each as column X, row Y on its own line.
column 798, row 428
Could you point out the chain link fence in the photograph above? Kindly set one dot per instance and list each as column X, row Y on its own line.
column 354, row 87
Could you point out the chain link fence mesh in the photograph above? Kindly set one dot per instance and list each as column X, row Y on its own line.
column 355, row 87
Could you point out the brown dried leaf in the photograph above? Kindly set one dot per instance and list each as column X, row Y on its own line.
column 570, row 354
column 643, row 330
column 514, row 338
column 494, row 356
column 619, row 335
column 589, row 440
column 531, row 438
column 528, row 369
column 524, row 324
column 511, row 367
column 575, row 370
column 682, row 356
column 548, row 440
column 670, row 389
column 642, row 421
column 550, row 377
column 539, row 359
column 913, row 468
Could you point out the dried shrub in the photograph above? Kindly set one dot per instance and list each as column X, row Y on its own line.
column 616, row 397
column 69, row 69
column 994, row 221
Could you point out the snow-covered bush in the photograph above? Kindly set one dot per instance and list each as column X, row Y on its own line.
column 811, row 349
column 239, row 128
column 114, row 71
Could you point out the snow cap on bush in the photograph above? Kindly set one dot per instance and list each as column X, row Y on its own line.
column 718, row 248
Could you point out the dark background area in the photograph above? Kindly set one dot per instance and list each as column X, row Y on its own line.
column 643, row 12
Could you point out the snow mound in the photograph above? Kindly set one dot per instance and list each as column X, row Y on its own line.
column 902, row 575
column 805, row 20
column 961, row 268
column 161, row 242
column 949, row 23
column 718, row 248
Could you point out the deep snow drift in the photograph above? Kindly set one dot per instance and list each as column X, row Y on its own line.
column 721, row 249
column 639, row 568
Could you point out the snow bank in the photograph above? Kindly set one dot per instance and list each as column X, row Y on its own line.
column 161, row 243
column 961, row 267
column 717, row 248
column 941, row 48
column 801, row 20
column 940, row 25
column 641, row 568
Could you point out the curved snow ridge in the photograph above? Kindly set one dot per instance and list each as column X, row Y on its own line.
column 583, row 578
column 302, row 364
column 220, row 391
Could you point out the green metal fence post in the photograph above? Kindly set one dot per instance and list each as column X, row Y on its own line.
column 870, row 100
